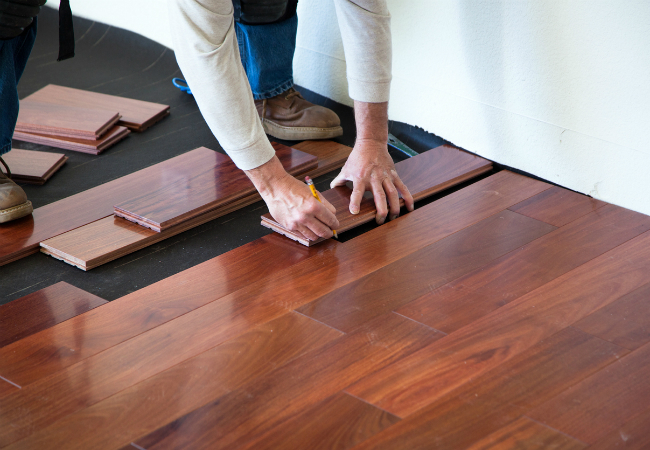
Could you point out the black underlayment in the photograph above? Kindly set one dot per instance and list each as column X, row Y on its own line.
column 115, row 61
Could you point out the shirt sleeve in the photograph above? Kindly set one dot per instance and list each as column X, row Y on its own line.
column 203, row 34
column 365, row 30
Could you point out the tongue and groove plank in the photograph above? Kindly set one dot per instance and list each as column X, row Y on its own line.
column 496, row 399
column 180, row 198
column 484, row 290
column 424, row 270
column 413, row 383
column 21, row 237
column 136, row 114
column 425, row 174
column 32, row 167
column 331, row 155
column 91, row 146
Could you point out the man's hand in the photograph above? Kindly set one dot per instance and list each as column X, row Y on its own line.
column 370, row 167
column 16, row 15
column 291, row 202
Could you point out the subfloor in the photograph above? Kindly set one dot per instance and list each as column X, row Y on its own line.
column 508, row 314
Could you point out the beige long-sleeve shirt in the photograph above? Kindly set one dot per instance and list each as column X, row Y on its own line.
column 203, row 33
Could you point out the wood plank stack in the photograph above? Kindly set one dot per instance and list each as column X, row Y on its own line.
column 32, row 167
column 82, row 121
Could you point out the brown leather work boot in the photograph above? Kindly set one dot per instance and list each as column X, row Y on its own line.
column 291, row 117
column 13, row 200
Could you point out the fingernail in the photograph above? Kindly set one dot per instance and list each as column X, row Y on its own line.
column 381, row 221
column 393, row 217
column 354, row 210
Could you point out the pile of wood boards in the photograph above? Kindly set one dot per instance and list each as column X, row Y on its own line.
column 28, row 166
column 82, row 121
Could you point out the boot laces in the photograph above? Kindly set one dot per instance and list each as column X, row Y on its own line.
column 6, row 167
column 292, row 93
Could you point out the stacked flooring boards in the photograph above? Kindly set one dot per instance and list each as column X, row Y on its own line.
column 508, row 314
column 28, row 166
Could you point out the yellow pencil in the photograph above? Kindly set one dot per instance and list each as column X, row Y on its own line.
column 315, row 192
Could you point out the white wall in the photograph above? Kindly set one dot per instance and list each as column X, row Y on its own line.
column 560, row 88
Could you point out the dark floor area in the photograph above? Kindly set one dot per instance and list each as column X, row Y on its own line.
column 115, row 61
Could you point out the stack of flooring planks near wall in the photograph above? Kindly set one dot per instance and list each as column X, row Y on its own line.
column 277, row 345
column 31, row 167
column 425, row 174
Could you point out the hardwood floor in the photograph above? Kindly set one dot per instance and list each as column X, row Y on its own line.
column 509, row 314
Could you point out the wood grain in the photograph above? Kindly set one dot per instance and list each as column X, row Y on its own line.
column 425, row 174
column 603, row 402
column 67, row 121
column 91, row 146
column 424, row 270
column 557, row 206
column 632, row 435
column 331, row 155
column 255, row 351
column 626, row 322
column 42, row 309
column 476, row 294
column 409, row 385
column 199, row 189
column 487, row 403
column 28, row 166
column 136, row 114
column 7, row 388
column 524, row 433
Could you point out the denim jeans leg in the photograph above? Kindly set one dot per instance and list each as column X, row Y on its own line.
column 267, row 56
column 13, row 59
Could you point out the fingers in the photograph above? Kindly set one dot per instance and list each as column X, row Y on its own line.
column 306, row 232
column 406, row 194
column 340, row 180
column 328, row 205
column 393, row 198
column 380, row 201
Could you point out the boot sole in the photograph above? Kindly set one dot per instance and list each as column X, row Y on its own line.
column 16, row 212
column 300, row 133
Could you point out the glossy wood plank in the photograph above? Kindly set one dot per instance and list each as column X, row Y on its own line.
column 91, row 146
column 524, row 433
column 331, row 155
column 632, row 435
column 28, row 166
column 558, row 206
column 136, row 114
column 476, row 294
column 200, row 190
column 425, row 174
column 418, row 380
column 424, row 270
column 626, row 322
column 7, row 387
column 603, row 402
column 42, row 309
column 40, row 355
column 94, row 379
column 489, row 402
column 68, row 121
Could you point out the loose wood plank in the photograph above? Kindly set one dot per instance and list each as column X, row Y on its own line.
column 601, row 403
column 91, row 146
column 331, row 155
column 42, row 309
column 499, row 397
column 632, row 435
column 474, row 295
column 201, row 190
column 424, row 270
column 557, row 206
column 28, row 166
column 626, row 322
column 418, row 380
column 524, row 433
column 136, row 114
column 425, row 174
column 67, row 121
column 96, row 378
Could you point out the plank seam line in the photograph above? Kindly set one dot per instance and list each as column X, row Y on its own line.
column 420, row 323
column 568, row 223
column 137, row 446
column 629, row 350
column 371, row 404
column 555, row 429
column 343, row 333
column 10, row 382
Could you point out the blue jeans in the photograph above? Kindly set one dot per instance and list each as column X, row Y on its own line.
column 13, row 59
column 267, row 56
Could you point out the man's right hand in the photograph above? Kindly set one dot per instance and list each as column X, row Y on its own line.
column 291, row 202
column 16, row 15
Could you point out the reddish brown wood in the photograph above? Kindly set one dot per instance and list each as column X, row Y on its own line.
column 476, row 294
column 557, row 206
column 28, row 166
column 603, row 402
column 94, row 146
column 331, row 155
column 7, row 388
column 632, row 435
column 420, row 379
column 424, row 270
column 43, row 309
column 68, row 121
column 199, row 189
column 136, row 114
column 425, row 174
column 499, row 397
column 626, row 322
